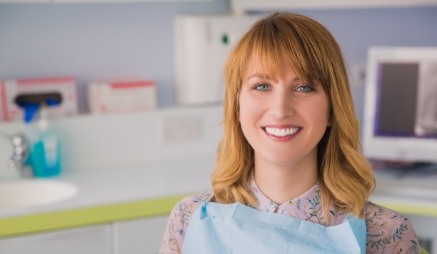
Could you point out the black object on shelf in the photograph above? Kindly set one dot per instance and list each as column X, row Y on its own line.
column 49, row 99
column 31, row 102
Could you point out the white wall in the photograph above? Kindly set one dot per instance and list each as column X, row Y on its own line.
column 95, row 41
column 92, row 41
column 113, row 142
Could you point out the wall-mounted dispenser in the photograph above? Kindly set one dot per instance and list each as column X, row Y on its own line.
column 202, row 44
column 11, row 89
column 31, row 102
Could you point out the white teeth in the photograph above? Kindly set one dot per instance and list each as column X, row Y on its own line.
column 281, row 132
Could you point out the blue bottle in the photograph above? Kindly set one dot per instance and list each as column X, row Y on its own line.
column 44, row 157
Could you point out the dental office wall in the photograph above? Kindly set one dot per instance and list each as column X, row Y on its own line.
column 357, row 30
column 95, row 41
column 135, row 40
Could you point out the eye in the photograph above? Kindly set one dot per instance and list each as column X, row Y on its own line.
column 305, row 88
column 262, row 87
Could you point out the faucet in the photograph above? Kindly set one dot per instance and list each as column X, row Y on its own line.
column 20, row 153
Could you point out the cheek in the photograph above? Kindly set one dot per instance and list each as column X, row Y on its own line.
column 321, row 113
column 244, row 116
column 246, row 113
column 244, row 108
column 325, row 112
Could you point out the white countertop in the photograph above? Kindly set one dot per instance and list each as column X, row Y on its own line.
column 130, row 183
column 100, row 190
column 192, row 174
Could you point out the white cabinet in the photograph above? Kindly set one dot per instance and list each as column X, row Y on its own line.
column 124, row 237
column 241, row 6
column 140, row 236
column 86, row 240
column 25, row 1
column 96, row 1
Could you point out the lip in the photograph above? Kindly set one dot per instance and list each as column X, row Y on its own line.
column 282, row 126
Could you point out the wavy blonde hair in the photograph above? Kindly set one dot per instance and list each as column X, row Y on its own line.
column 345, row 176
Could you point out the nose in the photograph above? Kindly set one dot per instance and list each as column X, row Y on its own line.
column 281, row 104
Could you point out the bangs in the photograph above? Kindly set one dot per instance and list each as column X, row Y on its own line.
column 271, row 45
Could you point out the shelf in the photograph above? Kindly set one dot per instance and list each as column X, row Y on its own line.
column 94, row 1
column 242, row 6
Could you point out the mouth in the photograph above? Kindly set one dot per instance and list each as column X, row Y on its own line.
column 281, row 132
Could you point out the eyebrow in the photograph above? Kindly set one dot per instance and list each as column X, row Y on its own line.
column 269, row 77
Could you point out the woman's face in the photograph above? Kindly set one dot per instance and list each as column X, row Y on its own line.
column 283, row 120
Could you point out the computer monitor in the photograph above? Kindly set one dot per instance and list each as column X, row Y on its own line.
column 400, row 106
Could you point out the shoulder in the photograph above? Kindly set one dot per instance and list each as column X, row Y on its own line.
column 188, row 205
column 177, row 224
column 378, row 217
column 181, row 214
column 388, row 230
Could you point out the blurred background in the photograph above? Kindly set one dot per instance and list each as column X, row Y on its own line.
column 135, row 40
column 140, row 117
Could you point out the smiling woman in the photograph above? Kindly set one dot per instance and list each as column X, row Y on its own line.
column 289, row 175
column 283, row 119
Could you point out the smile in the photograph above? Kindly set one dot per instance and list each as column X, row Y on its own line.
column 281, row 132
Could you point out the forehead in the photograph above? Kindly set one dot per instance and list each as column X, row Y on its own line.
column 270, row 66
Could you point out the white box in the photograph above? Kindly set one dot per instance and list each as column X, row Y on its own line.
column 10, row 89
column 202, row 44
column 121, row 96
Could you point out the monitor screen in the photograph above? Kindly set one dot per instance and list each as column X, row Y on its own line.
column 400, row 106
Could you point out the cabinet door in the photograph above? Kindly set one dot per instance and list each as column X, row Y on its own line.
column 140, row 236
column 244, row 5
column 25, row 1
column 87, row 240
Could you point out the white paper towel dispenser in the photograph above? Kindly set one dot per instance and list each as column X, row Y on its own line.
column 202, row 44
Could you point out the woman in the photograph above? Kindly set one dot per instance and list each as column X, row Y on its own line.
column 290, row 155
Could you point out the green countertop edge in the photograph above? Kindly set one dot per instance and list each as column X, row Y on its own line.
column 405, row 209
column 26, row 224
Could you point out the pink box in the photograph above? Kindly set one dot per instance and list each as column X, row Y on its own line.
column 10, row 89
column 122, row 96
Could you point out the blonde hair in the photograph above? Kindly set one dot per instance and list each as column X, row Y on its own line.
column 345, row 176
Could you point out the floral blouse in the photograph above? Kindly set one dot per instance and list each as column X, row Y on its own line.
column 387, row 231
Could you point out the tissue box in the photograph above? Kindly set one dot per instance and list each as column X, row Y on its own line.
column 121, row 96
column 10, row 89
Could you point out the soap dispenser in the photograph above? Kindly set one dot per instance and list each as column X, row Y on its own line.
column 44, row 158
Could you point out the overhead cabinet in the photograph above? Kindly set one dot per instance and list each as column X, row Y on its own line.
column 97, row 1
column 242, row 6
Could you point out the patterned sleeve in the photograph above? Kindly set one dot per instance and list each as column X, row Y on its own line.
column 389, row 232
column 405, row 238
column 178, row 222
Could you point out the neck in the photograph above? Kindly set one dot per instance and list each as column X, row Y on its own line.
column 282, row 183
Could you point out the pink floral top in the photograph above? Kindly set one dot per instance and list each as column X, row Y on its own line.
column 387, row 231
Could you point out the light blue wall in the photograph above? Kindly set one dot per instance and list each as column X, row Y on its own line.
column 95, row 41
column 357, row 30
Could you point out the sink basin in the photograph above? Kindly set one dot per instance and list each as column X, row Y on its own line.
column 31, row 192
